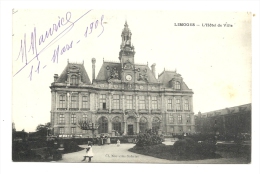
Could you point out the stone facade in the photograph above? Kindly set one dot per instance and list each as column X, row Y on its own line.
column 229, row 121
column 124, row 98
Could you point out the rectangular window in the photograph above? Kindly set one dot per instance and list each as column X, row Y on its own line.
column 85, row 118
column 73, row 119
column 188, row 119
column 73, row 130
column 74, row 101
column 84, row 102
column 178, row 105
column 179, row 119
column 62, row 119
column 116, row 102
column 169, row 105
column 129, row 102
column 154, row 103
column 61, row 130
column 102, row 101
column 186, row 105
column 141, row 102
column 62, row 101
column 171, row 118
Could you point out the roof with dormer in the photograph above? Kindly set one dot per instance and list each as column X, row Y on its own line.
column 225, row 111
column 166, row 76
column 106, row 68
column 70, row 66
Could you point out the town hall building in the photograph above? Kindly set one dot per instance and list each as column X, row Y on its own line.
column 124, row 98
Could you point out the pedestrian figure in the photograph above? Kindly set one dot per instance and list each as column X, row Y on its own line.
column 89, row 151
column 118, row 143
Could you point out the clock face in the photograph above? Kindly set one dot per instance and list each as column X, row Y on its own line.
column 128, row 77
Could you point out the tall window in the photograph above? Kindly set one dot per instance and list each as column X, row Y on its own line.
column 177, row 85
column 188, row 119
column 129, row 102
column 154, row 103
column 73, row 130
column 141, row 102
column 103, row 125
column 102, row 101
column 61, row 119
column 171, row 118
column 84, row 102
column 61, row 130
column 116, row 123
column 73, row 119
column 143, row 125
column 74, row 80
column 169, row 104
column 179, row 119
column 178, row 105
column 85, row 118
column 62, row 101
column 186, row 105
column 116, row 102
column 74, row 101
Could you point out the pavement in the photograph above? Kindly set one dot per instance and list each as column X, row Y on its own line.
column 113, row 154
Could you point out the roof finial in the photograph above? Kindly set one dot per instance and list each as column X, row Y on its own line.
column 103, row 59
column 68, row 60
column 83, row 62
column 147, row 63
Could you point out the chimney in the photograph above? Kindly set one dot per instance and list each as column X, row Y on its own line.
column 93, row 69
column 153, row 69
column 55, row 77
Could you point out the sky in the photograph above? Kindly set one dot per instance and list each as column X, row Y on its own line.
column 215, row 62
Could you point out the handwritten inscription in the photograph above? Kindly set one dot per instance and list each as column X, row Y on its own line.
column 58, row 30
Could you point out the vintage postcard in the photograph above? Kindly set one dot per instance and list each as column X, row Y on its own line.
column 153, row 86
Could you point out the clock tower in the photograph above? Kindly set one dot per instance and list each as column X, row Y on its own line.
column 126, row 55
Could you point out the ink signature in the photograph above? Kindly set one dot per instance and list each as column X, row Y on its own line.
column 60, row 29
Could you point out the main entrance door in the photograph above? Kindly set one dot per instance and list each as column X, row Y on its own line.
column 130, row 129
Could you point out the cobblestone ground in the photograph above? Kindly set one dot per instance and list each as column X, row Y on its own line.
column 113, row 154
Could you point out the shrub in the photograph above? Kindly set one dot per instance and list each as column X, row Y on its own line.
column 185, row 147
column 148, row 139
column 71, row 147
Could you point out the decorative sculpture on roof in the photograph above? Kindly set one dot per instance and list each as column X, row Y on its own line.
column 143, row 77
column 113, row 74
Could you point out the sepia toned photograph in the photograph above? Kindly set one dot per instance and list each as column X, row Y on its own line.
column 131, row 86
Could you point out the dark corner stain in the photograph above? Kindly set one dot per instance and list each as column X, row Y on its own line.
column 253, row 15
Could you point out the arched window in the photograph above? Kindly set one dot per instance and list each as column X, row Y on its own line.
column 116, row 123
column 156, row 124
column 143, row 125
column 177, row 85
column 74, row 80
column 103, row 125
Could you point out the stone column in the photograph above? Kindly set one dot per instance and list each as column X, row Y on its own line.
column 123, row 102
column 80, row 101
column 109, row 126
column 149, row 103
column 182, row 103
column 125, row 128
column 110, row 102
column 136, row 103
column 55, row 101
column 92, row 101
column 68, row 100
column 174, row 104
column 191, row 104
column 137, row 126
